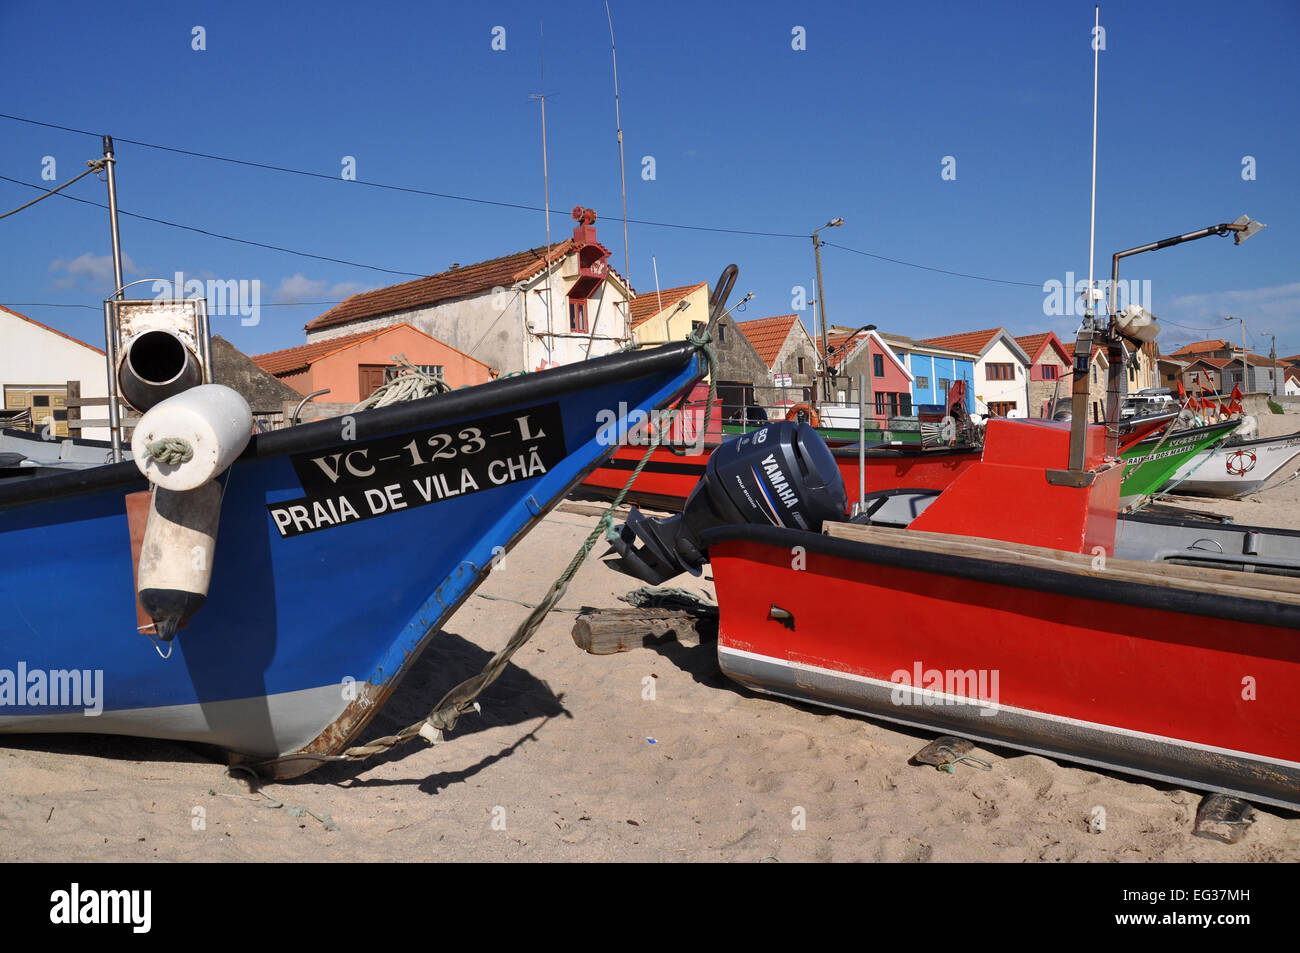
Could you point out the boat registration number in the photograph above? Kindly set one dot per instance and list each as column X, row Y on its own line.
column 362, row 480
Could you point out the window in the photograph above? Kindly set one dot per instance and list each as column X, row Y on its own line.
column 893, row 405
column 722, row 332
column 577, row 314
column 877, row 365
column 394, row 371
column 944, row 386
column 1094, row 373
column 1000, row 372
column 923, row 383
column 905, row 404
column 1002, row 408
column 880, row 404
column 1050, row 372
column 800, row 363
column 1132, row 374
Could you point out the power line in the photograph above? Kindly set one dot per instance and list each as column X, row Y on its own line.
column 91, row 307
column 95, row 165
column 387, row 186
column 229, row 238
column 460, row 198
column 942, row 271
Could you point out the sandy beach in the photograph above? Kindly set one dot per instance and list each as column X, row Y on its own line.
column 574, row 759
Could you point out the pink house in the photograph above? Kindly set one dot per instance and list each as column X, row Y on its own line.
column 354, row 365
column 863, row 353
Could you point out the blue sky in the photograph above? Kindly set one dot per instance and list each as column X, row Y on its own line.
column 745, row 131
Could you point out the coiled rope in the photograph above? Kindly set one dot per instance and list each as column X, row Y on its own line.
column 170, row 451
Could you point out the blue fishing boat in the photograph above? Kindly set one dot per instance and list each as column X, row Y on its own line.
column 343, row 546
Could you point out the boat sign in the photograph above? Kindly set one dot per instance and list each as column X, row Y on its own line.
column 358, row 481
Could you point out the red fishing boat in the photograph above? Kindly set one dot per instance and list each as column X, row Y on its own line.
column 999, row 614
column 671, row 474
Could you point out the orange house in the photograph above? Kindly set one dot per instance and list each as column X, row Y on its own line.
column 353, row 366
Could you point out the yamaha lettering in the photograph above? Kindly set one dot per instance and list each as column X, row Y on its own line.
column 361, row 480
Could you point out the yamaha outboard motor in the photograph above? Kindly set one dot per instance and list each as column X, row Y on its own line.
column 779, row 475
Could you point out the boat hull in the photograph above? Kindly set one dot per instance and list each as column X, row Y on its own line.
column 1149, row 464
column 1237, row 468
column 312, row 616
column 1177, row 686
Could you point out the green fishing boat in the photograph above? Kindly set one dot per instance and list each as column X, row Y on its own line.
column 1150, row 463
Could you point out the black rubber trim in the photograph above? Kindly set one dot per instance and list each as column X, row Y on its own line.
column 1257, row 611
column 656, row 466
column 891, row 453
column 1189, row 522
column 431, row 411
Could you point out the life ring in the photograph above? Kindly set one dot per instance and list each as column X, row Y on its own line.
column 1241, row 461
column 808, row 413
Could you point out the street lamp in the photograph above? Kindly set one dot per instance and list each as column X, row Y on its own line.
column 821, row 300
column 1240, row 229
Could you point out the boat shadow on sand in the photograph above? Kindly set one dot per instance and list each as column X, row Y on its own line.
column 517, row 697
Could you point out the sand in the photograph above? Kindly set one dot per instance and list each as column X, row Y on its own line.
column 571, row 762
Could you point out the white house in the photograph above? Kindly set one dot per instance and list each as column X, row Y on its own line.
column 1001, row 370
column 36, row 363
column 1292, row 386
column 500, row 311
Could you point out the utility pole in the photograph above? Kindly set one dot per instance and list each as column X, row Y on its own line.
column 110, row 310
column 1272, row 356
column 821, row 306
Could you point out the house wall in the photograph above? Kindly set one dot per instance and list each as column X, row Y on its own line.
column 491, row 326
column 934, row 368
column 339, row 371
column 36, row 357
column 893, row 381
column 740, row 368
column 679, row 324
column 1001, row 391
column 1041, row 388
column 798, row 344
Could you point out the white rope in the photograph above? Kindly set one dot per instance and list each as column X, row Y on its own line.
column 413, row 384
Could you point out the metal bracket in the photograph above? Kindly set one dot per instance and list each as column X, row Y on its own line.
column 1075, row 478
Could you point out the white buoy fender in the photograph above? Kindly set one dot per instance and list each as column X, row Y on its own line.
column 180, row 540
column 213, row 420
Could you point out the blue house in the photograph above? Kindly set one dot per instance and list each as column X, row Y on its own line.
column 934, row 369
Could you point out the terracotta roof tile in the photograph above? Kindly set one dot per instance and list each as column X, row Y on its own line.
column 646, row 306
column 456, row 283
column 1201, row 347
column 972, row 342
column 768, row 334
column 293, row 359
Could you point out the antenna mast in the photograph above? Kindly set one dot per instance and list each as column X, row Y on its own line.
column 622, row 165
column 1092, row 227
column 546, row 187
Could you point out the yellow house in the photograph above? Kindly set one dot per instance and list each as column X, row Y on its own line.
column 658, row 317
